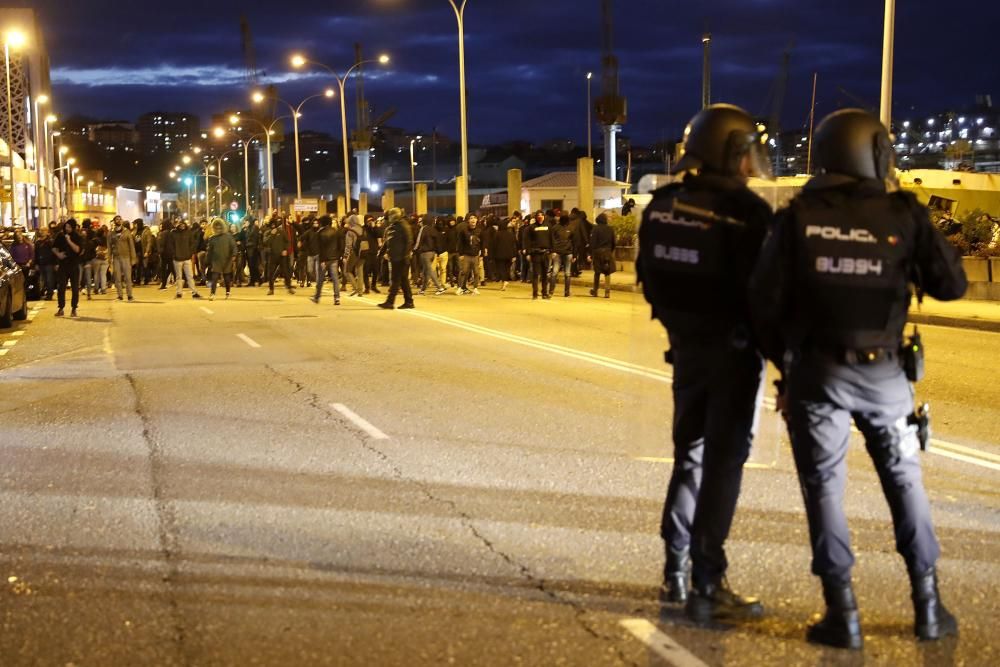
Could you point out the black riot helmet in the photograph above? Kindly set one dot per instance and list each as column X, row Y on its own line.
column 853, row 142
column 718, row 138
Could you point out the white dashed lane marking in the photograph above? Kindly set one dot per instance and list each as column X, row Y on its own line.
column 359, row 421
column 248, row 340
column 661, row 644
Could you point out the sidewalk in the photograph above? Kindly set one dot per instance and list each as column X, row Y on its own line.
column 962, row 314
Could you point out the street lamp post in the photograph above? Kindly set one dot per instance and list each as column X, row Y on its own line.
column 41, row 99
column 296, row 113
column 887, row 62
column 300, row 61
column 13, row 38
column 460, row 17
column 268, row 131
column 219, row 132
column 413, row 176
column 590, row 131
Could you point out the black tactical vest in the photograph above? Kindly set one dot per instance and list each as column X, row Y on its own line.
column 683, row 261
column 852, row 269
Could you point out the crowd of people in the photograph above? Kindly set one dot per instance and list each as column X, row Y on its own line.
column 356, row 253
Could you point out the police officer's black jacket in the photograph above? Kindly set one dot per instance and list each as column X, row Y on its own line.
column 695, row 274
column 835, row 274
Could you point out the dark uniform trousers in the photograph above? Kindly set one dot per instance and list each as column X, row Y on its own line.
column 717, row 389
column 824, row 396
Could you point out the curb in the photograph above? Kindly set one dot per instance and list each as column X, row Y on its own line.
column 615, row 287
column 955, row 322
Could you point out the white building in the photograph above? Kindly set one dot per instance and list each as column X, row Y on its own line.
column 559, row 190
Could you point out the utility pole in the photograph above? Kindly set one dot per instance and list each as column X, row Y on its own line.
column 888, row 49
column 706, row 70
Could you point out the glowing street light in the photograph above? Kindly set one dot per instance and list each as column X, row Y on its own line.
column 299, row 61
column 296, row 114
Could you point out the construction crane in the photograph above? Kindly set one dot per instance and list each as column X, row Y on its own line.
column 775, row 104
column 610, row 107
column 363, row 137
column 249, row 56
column 361, row 140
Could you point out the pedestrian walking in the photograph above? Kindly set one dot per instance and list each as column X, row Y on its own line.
column 101, row 261
column 503, row 252
column 602, row 245
column 830, row 297
column 469, row 251
column 220, row 256
column 46, row 262
column 279, row 251
column 183, row 245
column 121, row 251
column 330, row 246
column 538, row 247
column 67, row 247
column 424, row 247
column 397, row 248
column 354, row 262
column 564, row 251
column 165, row 248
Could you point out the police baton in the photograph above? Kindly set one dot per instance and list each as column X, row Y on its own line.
column 699, row 214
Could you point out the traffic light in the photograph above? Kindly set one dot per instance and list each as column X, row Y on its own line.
column 234, row 217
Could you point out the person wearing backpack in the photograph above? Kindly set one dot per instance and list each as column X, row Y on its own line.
column 355, row 243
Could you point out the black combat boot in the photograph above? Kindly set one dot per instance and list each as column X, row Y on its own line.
column 841, row 627
column 932, row 621
column 717, row 602
column 675, row 576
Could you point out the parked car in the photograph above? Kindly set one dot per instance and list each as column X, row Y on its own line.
column 13, row 296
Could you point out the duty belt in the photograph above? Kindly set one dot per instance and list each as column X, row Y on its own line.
column 856, row 357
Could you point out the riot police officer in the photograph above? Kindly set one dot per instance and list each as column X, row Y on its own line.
column 694, row 268
column 831, row 295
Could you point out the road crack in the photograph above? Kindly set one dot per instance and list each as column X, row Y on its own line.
column 467, row 521
column 166, row 519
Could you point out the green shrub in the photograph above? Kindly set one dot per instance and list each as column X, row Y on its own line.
column 973, row 233
column 625, row 228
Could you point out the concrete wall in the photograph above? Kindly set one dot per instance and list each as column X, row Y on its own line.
column 984, row 278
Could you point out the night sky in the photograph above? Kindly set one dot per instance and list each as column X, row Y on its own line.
column 526, row 59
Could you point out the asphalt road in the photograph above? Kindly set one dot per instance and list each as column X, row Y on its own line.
column 264, row 481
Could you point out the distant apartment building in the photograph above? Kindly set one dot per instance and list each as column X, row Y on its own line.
column 167, row 132
column 114, row 136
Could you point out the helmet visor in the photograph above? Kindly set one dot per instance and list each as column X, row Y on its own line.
column 754, row 149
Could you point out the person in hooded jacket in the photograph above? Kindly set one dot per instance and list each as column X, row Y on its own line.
column 503, row 252
column 280, row 247
column 424, row 248
column 602, row 245
column 369, row 251
column 220, row 251
column 46, row 262
column 354, row 261
column 330, row 245
column 451, row 246
column 398, row 247
column 564, row 251
column 121, row 249
column 68, row 247
column 183, row 246
column 165, row 249
column 147, row 248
